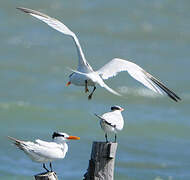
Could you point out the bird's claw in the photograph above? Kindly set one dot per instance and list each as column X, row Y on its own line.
column 90, row 97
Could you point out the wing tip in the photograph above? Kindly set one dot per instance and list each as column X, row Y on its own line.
column 32, row 12
column 14, row 139
column 17, row 142
column 26, row 10
column 169, row 92
column 175, row 98
column 96, row 115
column 11, row 138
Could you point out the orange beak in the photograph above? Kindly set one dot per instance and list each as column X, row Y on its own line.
column 68, row 83
column 73, row 137
column 121, row 109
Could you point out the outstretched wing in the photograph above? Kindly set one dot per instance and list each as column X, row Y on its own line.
column 59, row 26
column 117, row 65
column 102, row 84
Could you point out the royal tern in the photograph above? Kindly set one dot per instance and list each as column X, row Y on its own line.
column 43, row 151
column 112, row 121
column 86, row 76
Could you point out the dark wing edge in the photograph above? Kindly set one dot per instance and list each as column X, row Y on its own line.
column 17, row 142
column 105, row 120
column 28, row 11
column 170, row 93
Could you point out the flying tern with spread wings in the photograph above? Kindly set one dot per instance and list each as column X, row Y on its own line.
column 86, row 76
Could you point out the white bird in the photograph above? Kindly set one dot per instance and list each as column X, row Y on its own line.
column 86, row 76
column 43, row 151
column 112, row 121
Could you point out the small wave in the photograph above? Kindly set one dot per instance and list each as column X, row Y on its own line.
column 19, row 40
column 159, row 178
column 138, row 92
column 28, row 42
column 8, row 105
column 16, row 40
column 147, row 27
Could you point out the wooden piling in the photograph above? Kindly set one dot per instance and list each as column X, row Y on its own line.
column 101, row 164
column 46, row 176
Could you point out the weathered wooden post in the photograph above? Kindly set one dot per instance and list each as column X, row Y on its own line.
column 101, row 164
column 46, row 176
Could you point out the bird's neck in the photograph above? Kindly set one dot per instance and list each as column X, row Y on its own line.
column 60, row 142
column 117, row 111
column 64, row 148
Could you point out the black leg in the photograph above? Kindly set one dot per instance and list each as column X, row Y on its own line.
column 115, row 137
column 86, row 87
column 90, row 96
column 50, row 165
column 44, row 166
column 106, row 137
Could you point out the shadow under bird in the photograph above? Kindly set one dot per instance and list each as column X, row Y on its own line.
column 112, row 121
column 43, row 151
column 86, row 76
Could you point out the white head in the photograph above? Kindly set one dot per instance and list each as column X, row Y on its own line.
column 61, row 137
column 116, row 108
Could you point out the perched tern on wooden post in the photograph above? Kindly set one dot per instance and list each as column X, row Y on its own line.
column 112, row 121
column 43, row 151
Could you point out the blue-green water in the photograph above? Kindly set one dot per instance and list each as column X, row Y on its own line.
column 34, row 100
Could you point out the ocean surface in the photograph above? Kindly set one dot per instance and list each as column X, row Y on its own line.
column 34, row 101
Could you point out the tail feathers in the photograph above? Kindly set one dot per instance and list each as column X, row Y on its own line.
column 100, row 82
column 105, row 121
column 170, row 93
column 17, row 142
column 109, row 89
column 98, row 116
